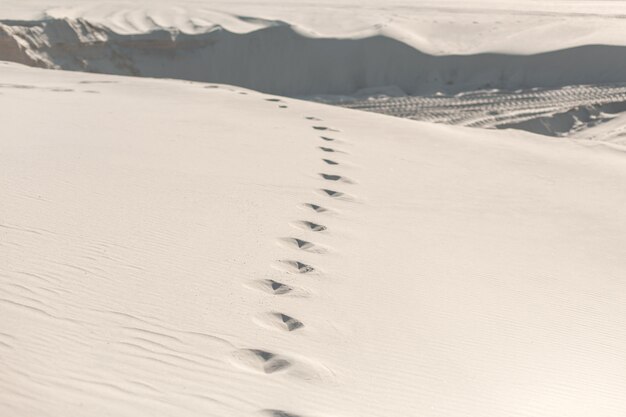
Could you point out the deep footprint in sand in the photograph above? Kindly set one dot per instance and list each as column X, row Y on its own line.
column 274, row 287
column 279, row 413
column 302, row 245
column 294, row 267
column 315, row 207
column 288, row 322
column 338, row 195
column 306, row 225
column 330, row 161
column 332, row 177
column 280, row 321
column 327, row 149
column 262, row 360
column 332, row 193
column 324, row 128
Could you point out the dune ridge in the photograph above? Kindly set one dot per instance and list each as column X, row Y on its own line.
column 280, row 60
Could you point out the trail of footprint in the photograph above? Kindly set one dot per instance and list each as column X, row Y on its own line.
column 302, row 245
column 330, row 161
column 306, row 225
column 294, row 267
column 262, row 360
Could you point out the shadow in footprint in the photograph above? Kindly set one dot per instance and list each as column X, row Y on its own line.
column 325, row 149
column 295, row 267
column 313, row 118
column 263, row 361
column 324, row 128
column 332, row 177
column 327, row 138
column 330, row 161
column 285, row 322
column 302, row 245
column 332, row 193
column 315, row 207
column 306, row 225
column 282, row 107
column 274, row 287
column 279, row 413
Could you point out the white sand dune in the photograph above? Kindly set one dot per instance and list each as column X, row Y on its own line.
column 181, row 249
column 293, row 49
column 178, row 246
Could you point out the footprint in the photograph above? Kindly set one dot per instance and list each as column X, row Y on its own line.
column 324, row 128
column 275, row 100
column 302, row 245
column 288, row 322
column 274, row 287
column 325, row 149
column 332, row 193
column 336, row 194
column 279, row 413
column 306, row 225
column 313, row 118
column 280, row 321
column 315, row 207
column 330, row 161
column 327, row 138
column 282, row 106
column 332, row 177
column 295, row 267
column 262, row 360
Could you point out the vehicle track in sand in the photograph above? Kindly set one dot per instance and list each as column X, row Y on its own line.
column 554, row 112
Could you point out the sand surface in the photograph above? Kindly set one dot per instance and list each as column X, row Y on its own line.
column 178, row 246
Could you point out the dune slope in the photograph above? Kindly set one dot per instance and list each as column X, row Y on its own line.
column 177, row 248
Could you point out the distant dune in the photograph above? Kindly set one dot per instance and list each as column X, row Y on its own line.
column 413, row 50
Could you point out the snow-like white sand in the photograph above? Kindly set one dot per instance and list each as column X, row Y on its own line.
column 177, row 248
column 336, row 47
column 162, row 256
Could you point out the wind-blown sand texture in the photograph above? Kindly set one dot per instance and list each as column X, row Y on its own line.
column 178, row 248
